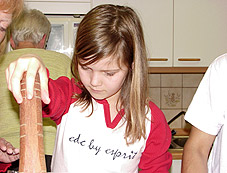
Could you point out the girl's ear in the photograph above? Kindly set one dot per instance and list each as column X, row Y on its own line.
column 12, row 43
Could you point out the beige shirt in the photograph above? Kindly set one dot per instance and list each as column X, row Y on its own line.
column 58, row 65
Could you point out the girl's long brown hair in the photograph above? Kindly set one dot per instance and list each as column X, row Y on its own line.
column 116, row 31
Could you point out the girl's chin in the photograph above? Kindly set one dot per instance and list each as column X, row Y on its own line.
column 98, row 98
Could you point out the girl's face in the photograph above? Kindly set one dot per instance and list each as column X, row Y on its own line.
column 103, row 79
column 5, row 20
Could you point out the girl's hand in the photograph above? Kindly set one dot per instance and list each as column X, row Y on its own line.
column 8, row 153
column 32, row 64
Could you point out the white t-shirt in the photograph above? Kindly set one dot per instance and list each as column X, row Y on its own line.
column 96, row 143
column 207, row 111
column 88, row 140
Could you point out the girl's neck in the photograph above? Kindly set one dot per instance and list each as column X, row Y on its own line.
column 114, row 105
column 113, row 100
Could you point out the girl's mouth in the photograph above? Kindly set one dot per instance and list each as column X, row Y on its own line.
column 95, row 90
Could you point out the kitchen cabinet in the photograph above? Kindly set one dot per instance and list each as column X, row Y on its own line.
column 200, row 31
column 157, row 20
column 181, row 33
column 60, row 6
column 178, row 33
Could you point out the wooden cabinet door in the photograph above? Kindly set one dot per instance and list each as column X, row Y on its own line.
column 200, row 31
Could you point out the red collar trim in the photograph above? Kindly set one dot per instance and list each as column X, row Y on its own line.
column 106, row 108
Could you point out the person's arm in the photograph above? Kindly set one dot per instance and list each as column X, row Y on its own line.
column 196, row 151
column 156, row 157
column 61, row 94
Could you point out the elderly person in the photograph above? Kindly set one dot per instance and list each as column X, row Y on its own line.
column 29, row 35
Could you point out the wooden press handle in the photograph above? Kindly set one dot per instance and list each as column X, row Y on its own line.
column 32, row 157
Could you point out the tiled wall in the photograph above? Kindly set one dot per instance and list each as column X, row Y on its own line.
column 173, row 93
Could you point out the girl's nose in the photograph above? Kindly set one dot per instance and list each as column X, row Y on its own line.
column 95, row 79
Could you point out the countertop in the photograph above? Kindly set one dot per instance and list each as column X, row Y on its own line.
column 176, row 154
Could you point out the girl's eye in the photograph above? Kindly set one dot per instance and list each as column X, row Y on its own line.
column 110, row 73
column 84, row 67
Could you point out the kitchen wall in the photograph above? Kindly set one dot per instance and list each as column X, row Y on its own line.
column 173, row 93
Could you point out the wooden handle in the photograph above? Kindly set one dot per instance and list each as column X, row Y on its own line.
column 157, row 59
column 32, row 157
column 189, row 59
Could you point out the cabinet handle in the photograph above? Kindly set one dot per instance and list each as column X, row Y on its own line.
column 189, row 59
column 157, row 59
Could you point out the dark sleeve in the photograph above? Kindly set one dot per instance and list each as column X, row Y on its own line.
column 156, row 157
column 61, row 92
column 4, row 166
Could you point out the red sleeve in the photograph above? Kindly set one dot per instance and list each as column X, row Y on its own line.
column 156, row 157
column 4, row 166
column 61, row 92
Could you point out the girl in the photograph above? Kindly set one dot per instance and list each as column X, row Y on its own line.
column 105, row 122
